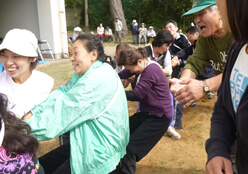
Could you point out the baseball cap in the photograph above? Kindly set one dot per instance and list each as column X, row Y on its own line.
column 107, row 27
column 116, row 17
column 199, row 5
column 21, row 42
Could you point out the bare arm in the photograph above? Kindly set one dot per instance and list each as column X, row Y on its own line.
column 193, row 89
column 187, row 74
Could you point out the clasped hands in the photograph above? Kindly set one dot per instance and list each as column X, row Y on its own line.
column 186, row 91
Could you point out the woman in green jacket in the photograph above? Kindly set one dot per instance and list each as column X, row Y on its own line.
column 93, row 107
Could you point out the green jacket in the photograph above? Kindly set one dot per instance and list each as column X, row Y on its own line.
column 209, row 50
column 93, row 107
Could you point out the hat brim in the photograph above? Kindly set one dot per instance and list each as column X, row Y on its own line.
column 196, row 9
column 19, row 51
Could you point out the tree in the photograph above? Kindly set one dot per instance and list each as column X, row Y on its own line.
column 117, row 10
column 86, row 17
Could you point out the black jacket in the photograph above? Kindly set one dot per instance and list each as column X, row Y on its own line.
column 178, row 48
column 228, row 125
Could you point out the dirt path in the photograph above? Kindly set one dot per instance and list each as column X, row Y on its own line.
column 184, row 156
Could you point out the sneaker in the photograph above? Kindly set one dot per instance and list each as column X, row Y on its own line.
column 172, row 133
column 193, row 105
column 209, row 95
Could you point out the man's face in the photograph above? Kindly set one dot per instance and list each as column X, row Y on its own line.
column 192, row 37
column 171, row 28
column 208, row 21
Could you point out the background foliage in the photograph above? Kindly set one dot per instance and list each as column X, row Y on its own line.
column 151, row 12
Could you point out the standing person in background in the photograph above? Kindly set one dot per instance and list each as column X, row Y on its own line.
column 100, row 32
column 17, row 146
column 93, row 107
column 212, row 46
column 135, row 31
column 118, row 29
column 142, row 33
column 108, row 34
column 20, row 82
column 152, row 90
column 179, row 58
column 150, row 34
column 229, row 119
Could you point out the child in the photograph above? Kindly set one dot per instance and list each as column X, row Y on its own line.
column 17, row 146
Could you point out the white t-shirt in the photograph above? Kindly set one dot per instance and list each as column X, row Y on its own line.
column 100, row 30
column 24, row 97
column 239, row 77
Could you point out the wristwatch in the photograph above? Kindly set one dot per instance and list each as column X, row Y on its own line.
column 206, row 87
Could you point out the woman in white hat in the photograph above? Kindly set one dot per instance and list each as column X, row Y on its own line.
column 77, row 31
column 150, row 34
column 24, row 86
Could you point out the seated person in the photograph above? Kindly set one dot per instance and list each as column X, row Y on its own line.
column 150, row 34
column 17, row 147
column 77, row 31
column 20, row 82
column 108, row 34
column 100, row 32
column 93, row 107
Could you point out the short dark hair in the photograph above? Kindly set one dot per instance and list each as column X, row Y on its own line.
column 238, row 19
column 193, row 30
column 17, row 137
column 162, row 37
column 130, row 56
column 91, row 42
column 171, row 21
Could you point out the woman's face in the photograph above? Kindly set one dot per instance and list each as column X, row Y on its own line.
column 136, row 69
column 223, row 11
column 82, row 59
column 163, row 48
column 17, row 67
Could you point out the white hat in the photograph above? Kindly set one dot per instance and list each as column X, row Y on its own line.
column 77, row 29
column 21, row 42
column 134, row 21
column 150, row 27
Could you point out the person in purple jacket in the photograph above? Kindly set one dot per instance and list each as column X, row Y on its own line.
column 152, row 90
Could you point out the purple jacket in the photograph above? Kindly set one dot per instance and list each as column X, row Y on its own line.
column 152, row 90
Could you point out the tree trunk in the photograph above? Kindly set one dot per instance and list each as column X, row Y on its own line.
column 86, row 17
column 117, row 10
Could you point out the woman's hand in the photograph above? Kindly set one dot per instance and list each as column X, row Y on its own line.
column 27, row 116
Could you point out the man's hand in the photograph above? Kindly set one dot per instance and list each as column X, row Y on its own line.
column 218, row 165
column 27, row 116
column 175, row 85
column 192, row 91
